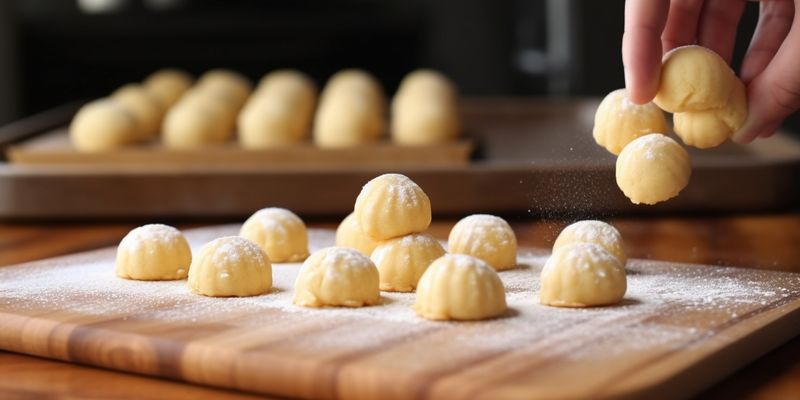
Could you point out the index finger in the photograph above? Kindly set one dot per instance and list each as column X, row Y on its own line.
column 641, row 47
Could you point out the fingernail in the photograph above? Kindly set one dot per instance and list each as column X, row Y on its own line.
column 745, row 134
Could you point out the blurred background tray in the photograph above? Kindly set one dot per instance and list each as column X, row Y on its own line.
column 532, row 157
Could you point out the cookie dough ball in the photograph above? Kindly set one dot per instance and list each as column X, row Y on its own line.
column 279, row 232
column 618, row 121
column 487, row 237
column 230, row 266
column 595, row 232
column 460, row 287
column 145, row 107
column 349, row 234
column 582, row 275
column 402, row 261
column 425, row 110
column 653, row 168
column 168, row 85
column 229, row 85
column 351, row 111
column 708, row 99
column 357, row 81
column 280, row 111
column 152, row 253
column 337, row 276
column 392, row 205
column 103, row 125
column 195, row 123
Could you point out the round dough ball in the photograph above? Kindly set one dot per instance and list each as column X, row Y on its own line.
column 229, row 85
column 595, row 232
column 418, row 120
column 168, row 85
column 402, row 261
column 230, row 266
column 153, row 252
column 357, row 81
column 347, row 119
column 487, row 237
column 103, row 125
column 195, row 123
column 653, row 168
column 280, row 111
column 428, row 83
column 460, row 287
column 582, row 275
column 223, row 111
column 337, row 276
column 708, row 99
column 145, row 107
column 279, row 232
column 618, row 121
column 349, row 234
column 392, row 205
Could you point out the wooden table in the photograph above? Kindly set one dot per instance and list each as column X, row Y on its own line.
column 760, row 241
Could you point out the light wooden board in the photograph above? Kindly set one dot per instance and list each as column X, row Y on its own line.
column 680, row 328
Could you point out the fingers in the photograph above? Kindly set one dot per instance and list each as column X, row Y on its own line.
column 641, row 47
column 681, row 27
column 717, row 29
column 774, row 93
column 774, row 22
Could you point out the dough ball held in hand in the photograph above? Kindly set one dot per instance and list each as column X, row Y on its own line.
column 618, row 121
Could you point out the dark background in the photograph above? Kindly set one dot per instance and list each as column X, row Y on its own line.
column 52, row 52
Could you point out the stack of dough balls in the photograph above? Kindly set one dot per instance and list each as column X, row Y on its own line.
column 338, row 277
column 708, row 100
column 618, row 121
column 587, row 267
column 279, row 112
column 279, row 232
column 487, row 237
column 153, row 252
column 402, row 261
column 425, row 110
column 653, row 168
column 206, row 114
column 230, row 266
column 460, row 287
column 351, row 111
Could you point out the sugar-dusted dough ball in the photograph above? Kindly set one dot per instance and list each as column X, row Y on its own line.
column 708, row 99
column 351, row 111
column 279, row 232
column 597, row 232
column 392, row 205
column 103, row 125
column 349, row 234
column 460, row 287
column 146, row 108
column 618, row 121
column 337, row 276
column 653, row 168
column 230, row 266
column 230, row 85
column 582, row 275
column 279, row 112
column 402, row 261
column 153, row 252
column 487, row 237
column 194, row 123
column 168, row 85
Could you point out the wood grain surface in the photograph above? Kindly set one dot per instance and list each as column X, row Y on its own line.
column 242, row 342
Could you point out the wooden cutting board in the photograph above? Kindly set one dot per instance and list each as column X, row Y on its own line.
column 680, row 328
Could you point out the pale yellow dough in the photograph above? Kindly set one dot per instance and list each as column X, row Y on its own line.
column 708, row 99
column 168, row 85
column 392, row 205
column 460, row 287
column 425, row 110
column 595, row 232
column 653, row 168
column 146, row 108
column 618, row 121
column 153, row 252
column 196, row 122
column 351, row 111
column 279, row 232
column 226, row 84
column 582, row 275
column 402, row 261
column 349, row 234
column 280, row 111
column 339, row 277
column 487, row 237
column 230, row 266
column 103, row 125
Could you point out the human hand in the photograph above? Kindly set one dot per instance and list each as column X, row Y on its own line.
column 771, row 67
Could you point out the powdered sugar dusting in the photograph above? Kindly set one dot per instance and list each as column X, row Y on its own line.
column 151, row 233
